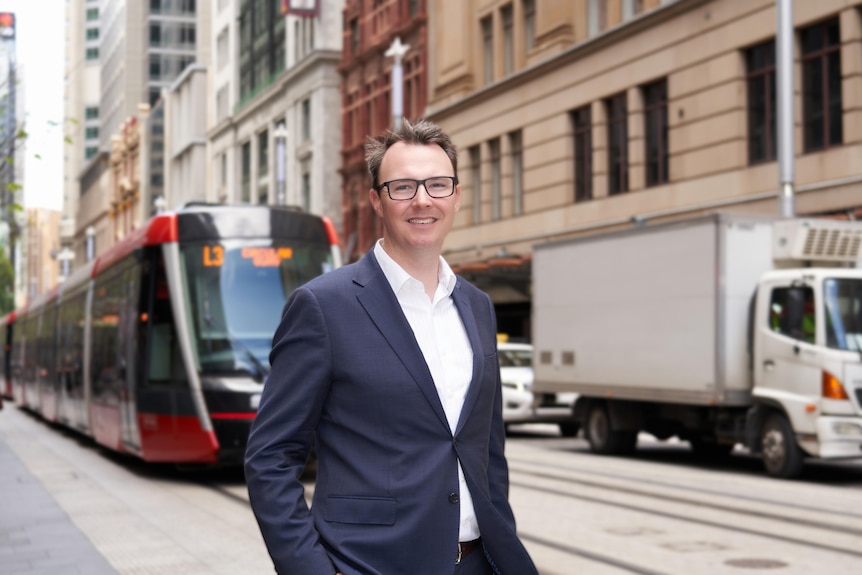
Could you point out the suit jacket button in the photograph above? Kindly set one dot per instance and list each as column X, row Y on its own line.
column 453, row 498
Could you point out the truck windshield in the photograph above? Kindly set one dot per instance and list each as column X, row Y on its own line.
column 843, row 301
column 237, row 289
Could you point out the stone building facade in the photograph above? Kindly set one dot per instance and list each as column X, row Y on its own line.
column 591, row 115
column 274, row 134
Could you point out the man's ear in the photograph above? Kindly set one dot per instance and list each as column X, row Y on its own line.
column 374, row 198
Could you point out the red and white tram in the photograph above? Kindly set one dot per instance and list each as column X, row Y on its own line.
column 160, row 346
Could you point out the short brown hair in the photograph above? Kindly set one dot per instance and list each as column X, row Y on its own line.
column 423, row 133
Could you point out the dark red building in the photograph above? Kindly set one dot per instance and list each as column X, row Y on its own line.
column 370, row 27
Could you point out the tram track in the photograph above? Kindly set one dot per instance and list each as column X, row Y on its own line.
column 838, row 528
column 517, row 481
column 590, row 555
column 642, row 495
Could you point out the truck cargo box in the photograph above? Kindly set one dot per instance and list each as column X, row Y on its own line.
column 656, row 313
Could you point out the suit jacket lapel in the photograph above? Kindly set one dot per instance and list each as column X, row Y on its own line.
column 376, row 296
column 469, row 320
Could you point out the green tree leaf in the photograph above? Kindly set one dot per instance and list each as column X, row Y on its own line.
column 7, row 284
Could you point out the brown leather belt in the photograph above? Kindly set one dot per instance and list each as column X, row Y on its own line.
column 465, row 548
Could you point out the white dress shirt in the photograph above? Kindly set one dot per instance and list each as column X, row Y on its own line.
column 441, row 336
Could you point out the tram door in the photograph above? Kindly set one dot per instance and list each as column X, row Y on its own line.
column 163, row 396
column 113, row 355
column 127, row 350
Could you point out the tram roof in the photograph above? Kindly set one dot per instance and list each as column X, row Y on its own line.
column 160, row 229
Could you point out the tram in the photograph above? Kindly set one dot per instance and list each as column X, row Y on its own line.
column 6, row 322
column 159, row 347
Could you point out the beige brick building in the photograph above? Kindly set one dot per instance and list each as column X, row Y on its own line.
column 41, row 250
column 583, row 116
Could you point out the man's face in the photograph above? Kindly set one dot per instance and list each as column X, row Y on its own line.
column 416, row 226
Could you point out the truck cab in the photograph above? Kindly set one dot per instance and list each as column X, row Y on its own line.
column 806, row 366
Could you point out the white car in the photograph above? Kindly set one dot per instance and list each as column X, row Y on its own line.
column 516, row 373
column 519, row 403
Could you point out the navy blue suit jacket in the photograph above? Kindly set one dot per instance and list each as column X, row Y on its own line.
column 348, row 376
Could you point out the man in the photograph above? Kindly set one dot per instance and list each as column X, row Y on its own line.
column 389, row 367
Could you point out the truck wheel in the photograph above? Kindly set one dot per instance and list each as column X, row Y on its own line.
column 569, row 428
column 781, row 456
column 604, row 440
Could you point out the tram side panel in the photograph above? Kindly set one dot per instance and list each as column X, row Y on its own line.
column 113, row 375
column 27, row 379
column 70, row 360
column 6, row 323
column 105, row 401
column 45, row 371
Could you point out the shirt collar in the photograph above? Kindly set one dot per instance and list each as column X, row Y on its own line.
column 397, row 277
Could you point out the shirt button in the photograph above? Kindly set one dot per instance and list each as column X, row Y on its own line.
column 453, row 498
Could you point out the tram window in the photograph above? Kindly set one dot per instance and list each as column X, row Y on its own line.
column 71, row 346
column 160, row 353
column 165, row 362
column 111, row 323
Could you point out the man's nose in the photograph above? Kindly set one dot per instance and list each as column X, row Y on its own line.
column 425, row 196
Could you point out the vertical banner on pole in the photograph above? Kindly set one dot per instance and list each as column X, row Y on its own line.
column 302, row 8
column 397, row 51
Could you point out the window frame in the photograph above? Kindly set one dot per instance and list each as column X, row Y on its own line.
column 829, row 72
column 582, row 140
column 486, row 26
column 476, row 177
column 516, row 153
column 656, row 157
column 618, row 137
column 494, row 151
column 761, row 129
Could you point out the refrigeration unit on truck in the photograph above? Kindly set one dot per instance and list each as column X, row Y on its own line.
column 718, row 330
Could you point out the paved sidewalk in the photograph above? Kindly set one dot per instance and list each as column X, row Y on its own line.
column 36, row 536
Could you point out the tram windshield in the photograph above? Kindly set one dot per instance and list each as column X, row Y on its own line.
column 237, row 290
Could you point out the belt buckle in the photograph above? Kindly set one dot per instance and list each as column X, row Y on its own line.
column 458, row 558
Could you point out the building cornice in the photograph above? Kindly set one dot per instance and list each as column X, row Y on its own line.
column 577, row 52
column 188, row 145
column 189, row 70
column 276, row 89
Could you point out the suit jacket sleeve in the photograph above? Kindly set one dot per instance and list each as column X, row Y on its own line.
column 282, row 435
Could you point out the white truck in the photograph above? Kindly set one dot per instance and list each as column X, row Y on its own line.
column 720, row 330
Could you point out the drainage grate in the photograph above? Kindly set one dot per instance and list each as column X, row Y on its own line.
column 756, row 563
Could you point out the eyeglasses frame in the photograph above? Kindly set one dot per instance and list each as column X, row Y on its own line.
column 416, row 191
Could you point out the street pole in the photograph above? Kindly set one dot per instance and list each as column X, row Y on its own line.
column 784, row 89
column 397, row 51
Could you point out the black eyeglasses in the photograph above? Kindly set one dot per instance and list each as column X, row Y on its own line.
column 405, row 189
